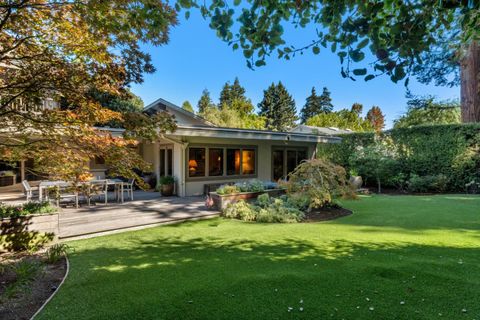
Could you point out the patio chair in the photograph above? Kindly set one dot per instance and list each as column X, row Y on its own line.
column 128, row 188
column 28, row 190
column 67, row 193
column 97, row 188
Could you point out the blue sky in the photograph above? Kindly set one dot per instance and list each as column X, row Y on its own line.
column 196, row 59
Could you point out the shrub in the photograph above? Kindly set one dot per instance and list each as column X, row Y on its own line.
column 226, row 189
column 317, row 182
column 263, row 200
column 240, row 210
column 57, row 251
column 451, row 150
column 435, row 183
column 279, row 211
column 10, row 211
column 166, row 180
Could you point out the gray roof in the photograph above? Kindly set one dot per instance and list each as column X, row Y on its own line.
column 330, row 131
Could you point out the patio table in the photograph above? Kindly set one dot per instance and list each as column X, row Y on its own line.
column 46, row 184
column 60, row 183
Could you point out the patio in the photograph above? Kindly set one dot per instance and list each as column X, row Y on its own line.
column 147, row 209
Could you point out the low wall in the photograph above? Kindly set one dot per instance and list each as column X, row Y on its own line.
column 25, row 231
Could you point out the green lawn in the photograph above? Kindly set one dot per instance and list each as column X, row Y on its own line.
column 396, row 257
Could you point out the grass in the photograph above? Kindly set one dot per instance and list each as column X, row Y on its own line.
column 396, row 257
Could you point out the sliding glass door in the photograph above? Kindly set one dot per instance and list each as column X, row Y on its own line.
column 166, row 161
column 285, row 160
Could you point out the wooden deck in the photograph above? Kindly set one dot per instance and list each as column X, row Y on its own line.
column 147, row 209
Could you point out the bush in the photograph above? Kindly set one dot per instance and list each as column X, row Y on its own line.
column 166, row 180
column 11, row 211
column 240, row 210
column 317, row 182
column 228, row 189
column 266, row 209
column 57, row 251
column 436, row 183
column 451, row 150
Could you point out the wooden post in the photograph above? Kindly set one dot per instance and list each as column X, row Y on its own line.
column 470, row 84
column 22, row 170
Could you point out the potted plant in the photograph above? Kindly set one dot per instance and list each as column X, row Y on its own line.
column 7, row 178
column 166, row 185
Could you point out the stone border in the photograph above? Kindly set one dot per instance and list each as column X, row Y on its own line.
column 56, row 290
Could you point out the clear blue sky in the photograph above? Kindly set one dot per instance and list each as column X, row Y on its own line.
column 196, row 59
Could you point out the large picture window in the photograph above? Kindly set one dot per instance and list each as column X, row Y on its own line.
column 196, row 162
column 215, row 162
column 221, row 161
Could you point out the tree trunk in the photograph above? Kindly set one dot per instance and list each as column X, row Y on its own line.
column 470, row 84
column 379, row 185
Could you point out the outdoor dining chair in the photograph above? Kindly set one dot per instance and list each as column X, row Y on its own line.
column 28, row 190
column 67, row 193
column 128, row 188
column 95, row 189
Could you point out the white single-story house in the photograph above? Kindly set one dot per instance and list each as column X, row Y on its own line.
column 199, row 153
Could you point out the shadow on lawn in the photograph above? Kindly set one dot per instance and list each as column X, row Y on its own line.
column 211, row 278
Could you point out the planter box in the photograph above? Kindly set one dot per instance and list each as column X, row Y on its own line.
column 220, row 201
column 7, row 181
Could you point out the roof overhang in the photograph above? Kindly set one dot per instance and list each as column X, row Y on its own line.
column 232, row 133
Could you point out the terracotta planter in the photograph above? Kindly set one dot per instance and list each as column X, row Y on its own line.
column 167, row 190
column 220, row 201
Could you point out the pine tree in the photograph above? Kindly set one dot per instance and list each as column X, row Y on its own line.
column 376, row 118
column 186, row 105
column 233, row 97
column 357, row 108
column 325, row 101
column 311, row 108
column 205, row 102
column 278, row 107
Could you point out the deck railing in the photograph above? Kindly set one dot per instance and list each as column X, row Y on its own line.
column 23, row 105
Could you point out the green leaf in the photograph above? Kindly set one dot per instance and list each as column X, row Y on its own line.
column 399, row 72
column 235, row 46
column 187, row 15
column 360, row 72
column 316, row 50
column 237, row 2
column 260, row 63
column 362, row 44
column 369, row 77
column 334, row 47
column 357, row 55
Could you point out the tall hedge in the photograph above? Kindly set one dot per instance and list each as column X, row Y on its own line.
column 452, row 150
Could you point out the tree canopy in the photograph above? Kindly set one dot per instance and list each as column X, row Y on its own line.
column 65, row 52
column 278, row 107
column 186, row 105
column 426, row 39
column 426, row 110
column 342, row 119
column 376, row 118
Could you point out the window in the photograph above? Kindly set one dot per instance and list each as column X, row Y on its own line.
column 196, row 162
column 162, row 162
column 221, row 161
column 169, row 162
column 233, row 162
column 215, row 162
column 285, row 160
column 248, row 161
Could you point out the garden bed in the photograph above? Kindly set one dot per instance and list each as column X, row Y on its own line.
column 26, row 282
column 325, row 214
column 220, row 201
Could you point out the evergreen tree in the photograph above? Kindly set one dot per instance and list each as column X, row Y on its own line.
column 325, row 101
column 278, row 107
column 312, row 107
column 376, row 118
column 233, row 97
column 357, row 108
column 186, row 105
column 205, row 102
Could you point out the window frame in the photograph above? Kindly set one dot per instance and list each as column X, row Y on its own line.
column 224, row 175
column 284, row 150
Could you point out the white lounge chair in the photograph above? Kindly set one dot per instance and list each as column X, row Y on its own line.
column 97, row 188
column 67, row 193
column 128, row 188
column 28, row 190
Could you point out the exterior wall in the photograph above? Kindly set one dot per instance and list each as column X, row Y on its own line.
column 194, row 186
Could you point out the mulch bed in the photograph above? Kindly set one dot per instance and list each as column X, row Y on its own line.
column 30, row 296
column 327, row 213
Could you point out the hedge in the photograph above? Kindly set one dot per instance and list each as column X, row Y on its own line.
column 450, row 150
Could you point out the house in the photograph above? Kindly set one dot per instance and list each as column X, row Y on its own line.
column 200, row 153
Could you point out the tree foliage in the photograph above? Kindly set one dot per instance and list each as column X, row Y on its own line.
column 398, row 34
column 376, row 118
column 342, row 119
column 428, row 111
column 186, row 105
column 278, row 107
column 231, row 117
column 316, row 104
column 63, row 51
column 205, row 102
